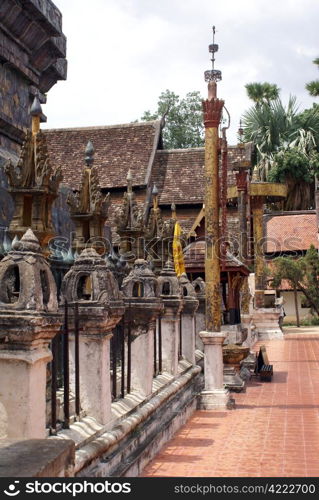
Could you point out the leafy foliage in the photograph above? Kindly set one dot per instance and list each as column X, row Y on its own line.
column 262, row 93
column 313, row 87
column 286, row 144
column 302, row 274
column 183, row 119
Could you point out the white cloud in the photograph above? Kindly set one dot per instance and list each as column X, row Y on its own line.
column 123, row 53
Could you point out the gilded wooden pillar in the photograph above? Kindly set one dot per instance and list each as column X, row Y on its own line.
column 212, row 115
column 258, row 211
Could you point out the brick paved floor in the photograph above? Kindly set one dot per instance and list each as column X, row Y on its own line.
column 274, row 430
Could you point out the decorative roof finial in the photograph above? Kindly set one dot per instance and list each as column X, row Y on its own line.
column 36, row 112
column 213, row 75
column 173, row 209
column 129, row 180
column 36, row 109
column 89, row 154
column 155, row 196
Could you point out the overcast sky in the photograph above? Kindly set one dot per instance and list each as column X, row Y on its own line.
column 123, row 53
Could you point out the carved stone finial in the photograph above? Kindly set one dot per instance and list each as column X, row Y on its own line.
column 90, row 279
column 26, row 280
column 29, row 242
column 89, row 154
column 36, row 109
column 168, row 282
column 141, row 282
column 129, row 176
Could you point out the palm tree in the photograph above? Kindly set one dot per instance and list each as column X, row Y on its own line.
column 286, row 145
column 313, row 87
column 262, row 93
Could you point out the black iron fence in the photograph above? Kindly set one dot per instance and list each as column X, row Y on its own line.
column 60, row 371
column 158, row 347
column 64, row 374
column 180, row 345
column 121, row 360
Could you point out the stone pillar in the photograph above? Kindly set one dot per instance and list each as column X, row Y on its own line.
column 142, row 356
column 98, row 315
column 170, row 294
column 29, row 320
column 143, row 306
column 190, row 305
column 200, row 317
column 23, row 375
column 170, row 334
column 214, row 395
column 94, row 360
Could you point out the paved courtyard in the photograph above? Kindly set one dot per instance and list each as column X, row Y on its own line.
column 274, row 430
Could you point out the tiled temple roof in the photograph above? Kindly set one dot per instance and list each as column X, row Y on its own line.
column 179, row 174
column 117, row 148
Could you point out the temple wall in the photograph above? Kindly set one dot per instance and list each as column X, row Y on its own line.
column 32, row 56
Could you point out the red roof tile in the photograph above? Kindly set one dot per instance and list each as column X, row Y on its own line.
column 179, row 174
column 117, row 148
column 291, row 232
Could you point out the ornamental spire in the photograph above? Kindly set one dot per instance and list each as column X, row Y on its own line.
column 212, row 76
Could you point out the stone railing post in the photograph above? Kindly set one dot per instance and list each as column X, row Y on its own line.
column 170, row 294
column 190, row 305
column 91, row 285
column 200, row 318
column 143, row 306
column 214, row 395
column 29, row 320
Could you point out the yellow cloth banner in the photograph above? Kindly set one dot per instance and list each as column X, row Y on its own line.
column 178, row 251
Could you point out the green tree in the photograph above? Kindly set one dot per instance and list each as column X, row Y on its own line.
column 302, row 274
column 286, row 143
column 313, row 87
column 262, row 93
column 183, row 119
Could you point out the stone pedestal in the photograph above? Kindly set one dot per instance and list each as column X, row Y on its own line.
column 170, row 293
column 94, row 358
column 200, row 317
column 142, row 314
column 190, row 306
column 143, row 306
column 23, row 376
column 96, row 325
column 142, row 359
column 200, row 323
column 170, row 335
column 23, row 363
column 214, row 396
column 266, row 321
column 28, row 322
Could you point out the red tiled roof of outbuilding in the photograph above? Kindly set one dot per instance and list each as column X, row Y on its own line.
column 291, row 232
